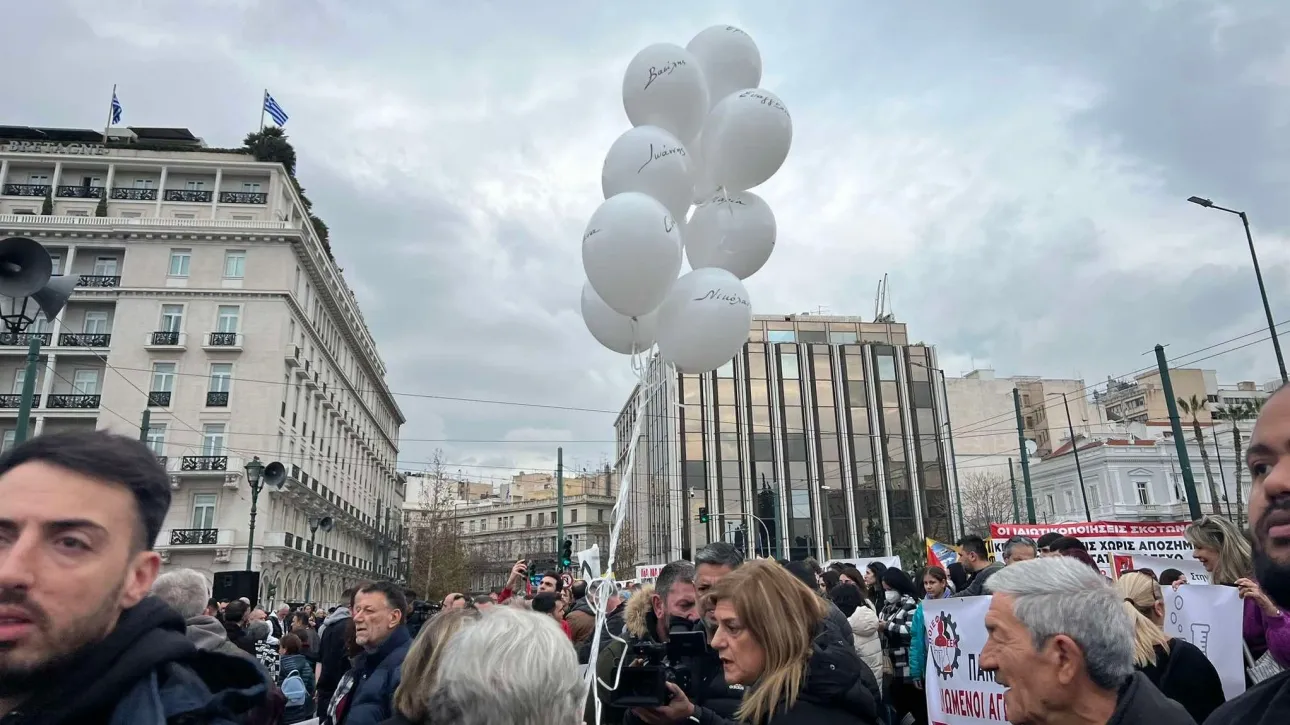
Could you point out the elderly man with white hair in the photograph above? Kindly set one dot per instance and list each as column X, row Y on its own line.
column 511, row 667
column 187, row 592
column 1062, row 644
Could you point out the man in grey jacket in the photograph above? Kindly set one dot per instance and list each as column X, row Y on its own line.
column 187, row 592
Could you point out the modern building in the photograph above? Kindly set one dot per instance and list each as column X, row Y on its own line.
column 208, row 301
column 824, row 436
column 1143, row 400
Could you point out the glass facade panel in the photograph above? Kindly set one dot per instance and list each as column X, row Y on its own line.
column 812, row 336
column 780, row 336
column 788, row 367
column 842, row 338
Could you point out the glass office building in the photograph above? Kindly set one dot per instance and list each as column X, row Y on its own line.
column 825, row 437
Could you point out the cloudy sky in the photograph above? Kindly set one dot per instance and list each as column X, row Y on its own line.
column 1019, row 169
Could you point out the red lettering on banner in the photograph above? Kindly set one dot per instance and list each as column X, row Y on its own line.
column 1089, row 528
column 974, row 703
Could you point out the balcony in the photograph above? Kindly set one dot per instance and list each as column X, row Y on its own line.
column 134, row 194
column 26, row 189
column 227, row 341
column 99, row 280
column 194, row 195
column 80, row 192
column 311, row 381
column 23, row 339
column 164, row 462
column 203, row 463
column 20, row 221
column 194, row 537
column 243, row 197
column 73, row 401
column 217, row 399
column 13, row 401
column 84, row 339
column 293, row 356
column 165, row 339
column 159, row 398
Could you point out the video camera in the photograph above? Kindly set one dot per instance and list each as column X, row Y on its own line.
column 421, row 613
column 649, row 666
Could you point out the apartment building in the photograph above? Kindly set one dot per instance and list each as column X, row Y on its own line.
column 208, row 299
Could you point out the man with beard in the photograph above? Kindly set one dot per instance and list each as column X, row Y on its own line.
column 81, row 642
column 1268, row 458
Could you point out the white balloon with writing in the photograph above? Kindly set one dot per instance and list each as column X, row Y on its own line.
column 621, row 334
column 654, row 162
column 734, row 231
column 703, row 186
column 631, row 252
column 729, row 58
column 664, row 86
column 746, row 139
column 704, row 321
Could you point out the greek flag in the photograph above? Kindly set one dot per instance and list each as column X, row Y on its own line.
column 116, row 109
column 271, row 106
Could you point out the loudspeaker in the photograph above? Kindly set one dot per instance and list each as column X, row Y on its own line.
column 230, row 585
column 326, row 523
column 54, row 295
column 275, row 474
column 25, row 267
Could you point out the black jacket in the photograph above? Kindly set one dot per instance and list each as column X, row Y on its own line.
column 331, row 655
column 1267, row 703
column 1183, row 674
column 614, row 623
column 239, row 637
column 1140, row 703
column 838, row 624
column 976, row 583
column 146, row 672
column 839, row 689
column 710, row 692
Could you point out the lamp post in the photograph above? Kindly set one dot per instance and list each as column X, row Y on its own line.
column 325, row 523
column 1258, row 276
column 254, row 473
column 1079, row 471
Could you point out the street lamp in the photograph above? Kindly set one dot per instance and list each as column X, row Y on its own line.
column 1258, row 275
column 258, row 476
column 1079, row 471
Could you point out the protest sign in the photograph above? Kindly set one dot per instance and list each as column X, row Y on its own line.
column 1106, row 539
column 958, row 691
column 648, row 572
column 588, row 563
column 1210, row 618
column 1192, row 569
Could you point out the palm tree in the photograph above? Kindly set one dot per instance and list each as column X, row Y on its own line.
column 1237, row 412
column 1193, row 407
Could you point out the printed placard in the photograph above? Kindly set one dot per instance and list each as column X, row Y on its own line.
column 1211, row 618
column 959, row 692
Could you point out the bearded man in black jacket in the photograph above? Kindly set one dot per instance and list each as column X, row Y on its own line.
column 81, row 642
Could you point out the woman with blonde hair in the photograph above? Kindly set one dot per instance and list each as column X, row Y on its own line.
column 1175, row 666
column 1226, row 554
column 770, row 636
column 421, row 666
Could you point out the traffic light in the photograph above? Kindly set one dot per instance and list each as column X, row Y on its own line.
column 703, row 514
column 566, row 554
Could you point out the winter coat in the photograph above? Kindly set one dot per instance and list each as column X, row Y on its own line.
column 238, row 636
column 918, row 641
column 147, row 672
column 209, row 635
column 837, row 691
column 1266, row 634
column 582, row 622
column 298, row 663
column 898, row 634
column 864, row 626
column 376, row 676
column 331, row 653
column 838, row 622
column 976, row 585
column 1183, row 674
column 1140, row 703
column 1267, row 703
column 613, row 628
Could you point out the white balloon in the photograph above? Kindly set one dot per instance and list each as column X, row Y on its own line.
column 631, row 253
column 733, row 231
column 664, row 86
column 703, row 186
column 704, row 321
column 620, row 334
column 729, row 59
column 652, row 161
column 746, row 139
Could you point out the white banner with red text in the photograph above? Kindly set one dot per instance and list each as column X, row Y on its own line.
column 1106, row 539
column 959, row 692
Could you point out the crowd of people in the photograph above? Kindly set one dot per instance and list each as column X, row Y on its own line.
column 91, row 630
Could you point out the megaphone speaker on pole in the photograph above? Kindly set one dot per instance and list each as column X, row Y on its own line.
column 326, row 523
column 275, row 474
column 25, row 267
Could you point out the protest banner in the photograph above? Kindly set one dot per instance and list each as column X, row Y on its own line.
column 1210, row 618
column 588, row 563
column 959, row 692
column 1192, row 569
column 648, row 572
column 1106, row 539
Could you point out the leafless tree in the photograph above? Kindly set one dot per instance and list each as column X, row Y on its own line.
column 439, row 562
column 987, row 499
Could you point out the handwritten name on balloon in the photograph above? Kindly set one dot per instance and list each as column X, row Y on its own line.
column 721, row 199
column 722, row 296
column 669, row 224
column 590, row 233
column 765, row 100
column 661, row 153
column 733, row 29
column 656, row 72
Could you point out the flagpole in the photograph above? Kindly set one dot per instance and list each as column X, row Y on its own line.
column 108, row 127
column 263, row 102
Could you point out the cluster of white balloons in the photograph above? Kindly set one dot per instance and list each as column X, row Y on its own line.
column 703, row 134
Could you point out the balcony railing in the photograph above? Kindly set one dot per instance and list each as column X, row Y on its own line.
column 11, row 401
column 99, row 280
column 222, row 339
column 217, row 399
column 164, row 462
column 159, row 398
column 194, row 537
column 204, row 463
column 84, row 339
column 243, row 197
column 74, row 400
column 23, row 339
column 164, row 337
column 134, row 194
column 80, row 192
column 195, row 195
column 26, row 189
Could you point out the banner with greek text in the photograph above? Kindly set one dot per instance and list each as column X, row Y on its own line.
column 1193, row 570
column 958, row 691
column 1107, row 539
column 1210, row 618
